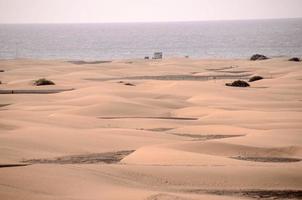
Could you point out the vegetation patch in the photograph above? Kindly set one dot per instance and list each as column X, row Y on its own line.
column 238, row 83
column 129, row 84
column 158, row 129
column 3, row 105
column 185, row 77
column 255, row 78
column 106, row 158
column 12, row 165
column 295, row 59
column 43, row 81
column 53, row 91
column 267, row 159
column 164, row 118
column 205, row 137
column 261, row 194
column 258, row 57
column 82, row 62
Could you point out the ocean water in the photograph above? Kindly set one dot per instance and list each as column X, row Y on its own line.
column 216, row 39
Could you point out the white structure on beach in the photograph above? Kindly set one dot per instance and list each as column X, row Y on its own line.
column 158, row 55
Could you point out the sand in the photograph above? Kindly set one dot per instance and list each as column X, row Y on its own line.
column 150, row 129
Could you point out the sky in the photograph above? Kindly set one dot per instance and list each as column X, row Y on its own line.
column 102, row 11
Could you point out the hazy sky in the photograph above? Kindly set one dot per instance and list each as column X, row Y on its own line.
column 81, row 11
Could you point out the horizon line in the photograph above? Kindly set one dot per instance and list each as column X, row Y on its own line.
column 146, row 22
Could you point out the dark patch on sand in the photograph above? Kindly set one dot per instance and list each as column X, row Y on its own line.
column 234, row 72
column 4, row 105
column 260, row 87
column 7, row 127
column 262, row 194
column 126, row 83
column 52, row 91
column 193, row 136
column 178, row 77
column 106, row 158
column 12, row 165
column 205, row 137
column 162, row 196
column 222, row 68
column 159, row 129
column 267, row 159
column 229, row 70
column 129, row 84
column 82, row 62
column 165, row 118
column 254, row 194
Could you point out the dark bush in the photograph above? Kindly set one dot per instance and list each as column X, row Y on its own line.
column 255, row 78
column 238, row 83
column 295, row 59
column 259, row 57
column 129, row 84
column 43, row 81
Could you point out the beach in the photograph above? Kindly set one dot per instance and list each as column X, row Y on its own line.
column 150, row 129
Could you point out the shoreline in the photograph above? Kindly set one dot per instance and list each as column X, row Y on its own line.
column 129, row 59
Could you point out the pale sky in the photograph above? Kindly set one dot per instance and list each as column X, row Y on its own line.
column 95, row 11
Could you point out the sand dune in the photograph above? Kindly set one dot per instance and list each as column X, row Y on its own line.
column 176, row 134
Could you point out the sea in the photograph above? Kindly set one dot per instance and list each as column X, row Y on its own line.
column 205, row 39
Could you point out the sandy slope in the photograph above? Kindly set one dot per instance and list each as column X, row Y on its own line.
column 193, row 139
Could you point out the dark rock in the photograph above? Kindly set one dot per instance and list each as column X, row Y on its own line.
column 146, row 58
column 259, row 57
column 295, row 59
column 255, row 78
column 238, row 83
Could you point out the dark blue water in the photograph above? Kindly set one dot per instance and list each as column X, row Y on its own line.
column 219, row 39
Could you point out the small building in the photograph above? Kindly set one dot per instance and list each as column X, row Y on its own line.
column 158, row 55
